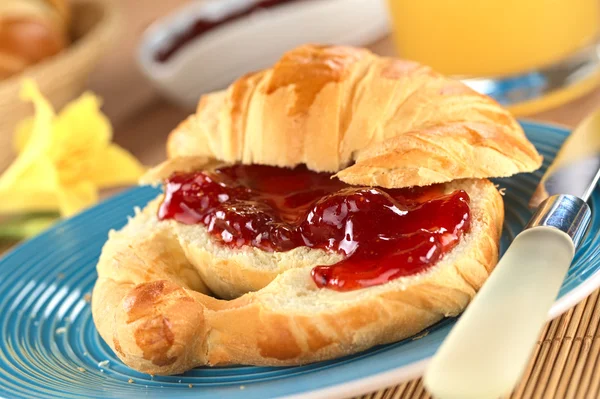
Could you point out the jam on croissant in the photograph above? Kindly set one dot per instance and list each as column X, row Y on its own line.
column 383, row 234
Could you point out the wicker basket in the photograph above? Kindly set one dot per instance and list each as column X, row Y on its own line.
column 63, row 77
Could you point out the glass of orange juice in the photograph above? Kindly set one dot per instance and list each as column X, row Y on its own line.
column 528, row 54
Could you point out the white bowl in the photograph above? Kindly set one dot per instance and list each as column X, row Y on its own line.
column 218, row 57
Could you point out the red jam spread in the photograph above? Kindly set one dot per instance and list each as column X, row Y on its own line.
column 203, row 25
column 383, row 234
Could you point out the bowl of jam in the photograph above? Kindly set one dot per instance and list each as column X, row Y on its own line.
column 206, row 45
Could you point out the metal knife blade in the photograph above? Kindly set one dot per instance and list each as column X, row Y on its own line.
column 576, row 168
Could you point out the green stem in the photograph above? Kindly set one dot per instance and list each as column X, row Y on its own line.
column 25, row 226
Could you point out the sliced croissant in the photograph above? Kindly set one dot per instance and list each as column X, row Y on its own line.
column 152, row 303
column 371, row 120
column 375, row 120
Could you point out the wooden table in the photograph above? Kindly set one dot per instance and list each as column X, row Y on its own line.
column 566, row 362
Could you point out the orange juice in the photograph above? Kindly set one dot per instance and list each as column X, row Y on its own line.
column 492, row 37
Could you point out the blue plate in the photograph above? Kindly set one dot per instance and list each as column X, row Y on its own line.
column 50, row 347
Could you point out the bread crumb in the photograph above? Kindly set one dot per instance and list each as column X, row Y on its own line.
column 242, row 387
column 423, row 335
column 81, row 369
column 130, row 381
column 60, row 330
column 87, row 297
column 60, row 276
column 501, row 190
column 103, row 363
column 190, row 385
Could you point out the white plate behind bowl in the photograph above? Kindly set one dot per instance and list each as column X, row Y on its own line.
column 215, row 59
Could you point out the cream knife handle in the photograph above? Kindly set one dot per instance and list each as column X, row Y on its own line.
column 487, row 350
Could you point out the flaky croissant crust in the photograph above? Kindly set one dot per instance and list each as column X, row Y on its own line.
column 374, row 120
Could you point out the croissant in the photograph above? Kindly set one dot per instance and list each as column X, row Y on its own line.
column 30, row 31
column 153, row 306
column 374, row 120
column 171, row 296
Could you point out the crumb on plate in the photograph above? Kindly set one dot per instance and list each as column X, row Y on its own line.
column 422, row 335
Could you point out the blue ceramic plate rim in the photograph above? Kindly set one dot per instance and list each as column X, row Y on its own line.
column 397, row 374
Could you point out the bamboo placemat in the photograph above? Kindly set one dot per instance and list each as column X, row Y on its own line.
column 565, row 365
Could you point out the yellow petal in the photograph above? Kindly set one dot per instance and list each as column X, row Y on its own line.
column 81, row 132
column 40, row 175
column 64, row 159
column 115, row 166
column 80, row 129
column 35, row 190
column 39, row 141
column 76, row 197
column 22, row 134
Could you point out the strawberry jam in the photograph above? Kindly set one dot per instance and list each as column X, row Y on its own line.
column 383, row 234
column 204, row 24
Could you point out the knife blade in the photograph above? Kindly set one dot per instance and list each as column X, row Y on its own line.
column 576, row 168
column 488, row 349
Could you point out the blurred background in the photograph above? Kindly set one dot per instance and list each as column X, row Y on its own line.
column 148, row 63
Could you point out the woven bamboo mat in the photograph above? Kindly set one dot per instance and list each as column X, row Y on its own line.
column 565, row 365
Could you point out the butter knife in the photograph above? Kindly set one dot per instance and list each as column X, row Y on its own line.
column 488, row 349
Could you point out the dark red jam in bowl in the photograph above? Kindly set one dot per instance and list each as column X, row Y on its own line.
column 383, row 234
column 203, row 25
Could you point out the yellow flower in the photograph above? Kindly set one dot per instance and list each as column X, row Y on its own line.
column 63, row 159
